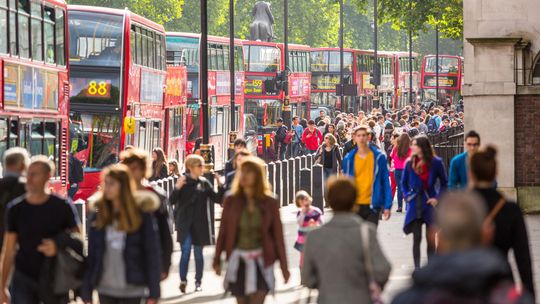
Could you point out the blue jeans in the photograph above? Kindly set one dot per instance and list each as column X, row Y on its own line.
column 185, row 247
column 282, row 151
column 327, row 172
column 295, row 149
column 399, row 174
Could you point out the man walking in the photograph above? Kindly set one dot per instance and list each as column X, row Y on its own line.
column 281, row 136
column 322, row 115
column 367, row 165
column 297, row 131
column 12, row 184
column 34, row 220
column 457, row 179
column 312, row 138
column 239, row 145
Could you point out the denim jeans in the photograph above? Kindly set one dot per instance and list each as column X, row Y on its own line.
column 295, row 149
column 399, row 174
column 327, row 172
column 282, row 151
column 25, row 290
column 185, row 247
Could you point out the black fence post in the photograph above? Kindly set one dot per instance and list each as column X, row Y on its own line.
column 271, row 175
column 277, row 183
column 285, row 183
column 303, row 160
column 297, row 168
column 305, row 180
column 291, row 179
column 309, row 161
column 317, row 183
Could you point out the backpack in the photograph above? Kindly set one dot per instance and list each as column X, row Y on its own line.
column 432, row 125
column 77, row 171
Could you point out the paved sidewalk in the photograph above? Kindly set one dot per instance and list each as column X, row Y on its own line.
column 396, row 246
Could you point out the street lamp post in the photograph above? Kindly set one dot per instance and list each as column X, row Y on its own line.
column 233, row 134
column 437, row 61
column 206, row 148
column 410, row 55
column 287, row 115
column 341, row 63
column 376, row 68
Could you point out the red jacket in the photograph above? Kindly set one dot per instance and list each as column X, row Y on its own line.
column 312, row 140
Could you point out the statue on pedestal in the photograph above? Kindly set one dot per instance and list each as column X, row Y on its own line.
column 262, row 27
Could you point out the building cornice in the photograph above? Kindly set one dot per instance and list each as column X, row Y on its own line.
column 494, row 40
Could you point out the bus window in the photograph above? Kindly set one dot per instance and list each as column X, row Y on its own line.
column 193, row 124
column 265, row 111
column 36, row 138
column 23, row 28
column 156, row 135
column 334, row 62
column 60, row 39
column 49, row 34
column 37, row 42
column 13, row 30
column 97, row 139
column 319, row 61
column 262, row 58
column 96, row 39
column 446, row 65
column 3, row 30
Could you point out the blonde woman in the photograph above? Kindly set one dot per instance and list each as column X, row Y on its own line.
column 251, row 235
column 124, row 261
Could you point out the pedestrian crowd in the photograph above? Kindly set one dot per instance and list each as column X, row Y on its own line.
column 470, row 226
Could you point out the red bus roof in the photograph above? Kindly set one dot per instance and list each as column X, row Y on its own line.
column 405, row 54
column 114, row 11
column 332, row 49
column 292, row 46
column 210, row 37
column 445, row 56
column 61, row 3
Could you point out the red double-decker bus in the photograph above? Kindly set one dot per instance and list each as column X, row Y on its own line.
column 117, row 76
column 387, row 88
column 174, row 107
column 402, row 77
column 34, row 82
column 184, row 49
column 450, row 78
column 299, row 79
column 325, row 75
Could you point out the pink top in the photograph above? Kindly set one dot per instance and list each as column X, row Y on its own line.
column 399, row 163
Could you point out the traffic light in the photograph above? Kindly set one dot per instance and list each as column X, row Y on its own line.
column 375, row 76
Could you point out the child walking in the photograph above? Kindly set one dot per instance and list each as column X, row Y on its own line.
column 308, row 219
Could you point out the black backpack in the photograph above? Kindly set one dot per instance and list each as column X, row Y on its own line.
column 76, row 172
column 432, row 125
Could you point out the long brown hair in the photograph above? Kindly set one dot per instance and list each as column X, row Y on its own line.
column 129, row 216
column 159, row 163
column 403, row 145
column 428, row 153
column 262, row 186
column 483, row 164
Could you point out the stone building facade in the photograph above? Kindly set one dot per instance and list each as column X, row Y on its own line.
column 502, row 89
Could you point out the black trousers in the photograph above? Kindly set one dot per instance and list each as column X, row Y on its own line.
column 103, row 299
column 368, row 214
column 416, row 228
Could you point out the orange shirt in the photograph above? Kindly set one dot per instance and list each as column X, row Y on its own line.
column 363, row 176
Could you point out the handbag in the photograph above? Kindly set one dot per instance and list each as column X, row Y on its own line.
column 375, row 289
column 68, row 271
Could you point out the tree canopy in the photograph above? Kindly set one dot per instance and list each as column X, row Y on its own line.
column 316, row 22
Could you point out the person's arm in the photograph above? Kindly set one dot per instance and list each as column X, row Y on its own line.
column 381, row 266
column 215, row 196
column 7, row 260
column 339, row 158
column 277, row 231
column 522, row 254
column 453, row 177
column 309, row 275
column 220, row 243
column 152, row 255
column 386, row 189
column 441, row 173
column 304, row 134
column 405, row 188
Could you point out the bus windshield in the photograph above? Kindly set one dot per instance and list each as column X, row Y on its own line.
column 95, row 139
column 95, row 39
column 183, row 50
column 329, row 61
column 261, row 58
column 446, row 65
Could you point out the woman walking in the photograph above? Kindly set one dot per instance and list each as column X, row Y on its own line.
column 510, row 228
column 422, row 173
column 159, row 165
column 400, row 153
column 174, row 170
column 124, row 261
column 191, row 202
column 329, row 156
column 251, row 235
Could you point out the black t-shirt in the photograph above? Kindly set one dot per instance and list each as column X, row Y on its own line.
column 328, row 158
column 32, row 224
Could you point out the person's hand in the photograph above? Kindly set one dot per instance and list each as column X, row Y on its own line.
column 181, row 182
column 5, row 297
column 47, row 247
column 217, row 268
column 286, row 276
column 432, row 201
column 163, row 276
column 386, row 214
column 218, row 179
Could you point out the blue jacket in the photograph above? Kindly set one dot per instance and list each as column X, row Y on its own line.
column 381, row 194
column 457, row 177
column 413, row 190
column 142, row 257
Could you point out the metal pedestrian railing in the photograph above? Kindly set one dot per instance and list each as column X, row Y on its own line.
column 448, row 144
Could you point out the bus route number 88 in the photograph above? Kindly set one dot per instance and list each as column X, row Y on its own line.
column 97, row 88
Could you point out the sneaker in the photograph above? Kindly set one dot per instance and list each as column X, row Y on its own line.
column 399, row 210
column 198, row 287
column 183, row 285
